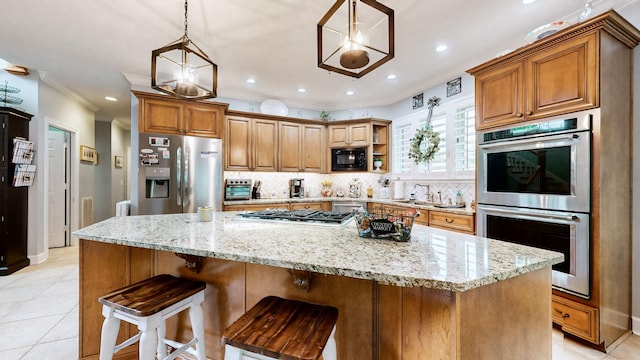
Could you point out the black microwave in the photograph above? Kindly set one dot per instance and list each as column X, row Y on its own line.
column 349, row 159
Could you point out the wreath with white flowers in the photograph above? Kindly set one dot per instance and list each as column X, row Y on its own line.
column 426, row 136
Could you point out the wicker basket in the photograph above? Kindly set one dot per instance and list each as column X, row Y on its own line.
column 389, row 225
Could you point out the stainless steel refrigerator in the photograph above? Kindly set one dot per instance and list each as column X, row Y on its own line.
column 178, row 174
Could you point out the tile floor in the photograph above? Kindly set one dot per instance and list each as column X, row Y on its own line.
column 39, row 316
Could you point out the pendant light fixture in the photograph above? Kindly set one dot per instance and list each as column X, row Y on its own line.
column 365, row 43
column 183, row 70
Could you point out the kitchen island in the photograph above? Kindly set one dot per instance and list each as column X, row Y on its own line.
column 442, row 295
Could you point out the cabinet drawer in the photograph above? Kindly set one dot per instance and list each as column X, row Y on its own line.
column 575, row 318
column 450, row 221
column 307, row 206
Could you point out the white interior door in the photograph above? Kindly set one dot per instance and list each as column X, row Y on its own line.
column 58, row 216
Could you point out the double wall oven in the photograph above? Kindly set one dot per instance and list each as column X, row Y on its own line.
column 534, row 189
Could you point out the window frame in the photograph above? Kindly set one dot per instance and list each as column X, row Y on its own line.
column 413, row 120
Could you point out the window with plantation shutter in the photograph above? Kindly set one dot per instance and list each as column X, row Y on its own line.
column 402, row 133
column 455, row 122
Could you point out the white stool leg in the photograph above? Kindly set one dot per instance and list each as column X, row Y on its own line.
column 330, row 351
column 197, row 326
column 162, row 334
column 232, row 353
column 109, row 335
column 148, row 341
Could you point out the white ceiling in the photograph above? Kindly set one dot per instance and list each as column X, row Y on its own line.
column 89, row 46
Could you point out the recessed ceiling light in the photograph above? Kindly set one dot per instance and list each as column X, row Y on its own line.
column 251, row 80
column 526, row 2
column 391, row 76
column 302, row 90
column 350, row 92
column 110, row 98
column 441, row 48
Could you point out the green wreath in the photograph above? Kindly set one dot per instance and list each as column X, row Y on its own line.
column 432, row 139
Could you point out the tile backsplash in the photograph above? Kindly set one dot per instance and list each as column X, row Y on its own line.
column 276, row 185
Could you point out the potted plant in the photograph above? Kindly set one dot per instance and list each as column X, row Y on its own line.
column 377, row 162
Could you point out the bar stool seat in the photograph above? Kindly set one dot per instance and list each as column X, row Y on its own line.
column 148, row 304
column 277, row 328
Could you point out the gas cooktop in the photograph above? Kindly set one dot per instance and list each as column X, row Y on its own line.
column 317, row 216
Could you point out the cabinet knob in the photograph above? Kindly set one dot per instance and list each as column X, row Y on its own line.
column 565, row 315
column 519, row 115
column 529, row 113
column 449, row 221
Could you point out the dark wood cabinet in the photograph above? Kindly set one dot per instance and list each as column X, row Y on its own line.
column 13, row 207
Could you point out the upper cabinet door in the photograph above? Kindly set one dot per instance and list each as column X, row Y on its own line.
column 313, row 148
column 359, row 134
column 238, row 144
column 202, row 120
column 290, row 135
column 563, row 78
column 499, row 96
column 161, row 116
column 265, row 147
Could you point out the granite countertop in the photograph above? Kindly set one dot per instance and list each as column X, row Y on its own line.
column 433, row 258
column 406, row 203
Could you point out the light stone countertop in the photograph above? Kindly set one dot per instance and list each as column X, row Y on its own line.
column 433, row 258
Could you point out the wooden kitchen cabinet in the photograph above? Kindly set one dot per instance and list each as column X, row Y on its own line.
column 588, row 65
column 452, row 221
column 256, row 207
column 577, row 319
column 349, row 135
column 251, row 144
column 302, row 147
column 162, row 115
column 307, row 206
column 555, row 79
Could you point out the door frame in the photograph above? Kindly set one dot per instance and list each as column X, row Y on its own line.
column 74, row 167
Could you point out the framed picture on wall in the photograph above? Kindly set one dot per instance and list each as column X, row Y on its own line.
column 88, row 154
column 454, row 87
column 119, row 161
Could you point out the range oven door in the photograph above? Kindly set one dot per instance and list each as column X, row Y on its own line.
column 547, row 171
column 564, row 232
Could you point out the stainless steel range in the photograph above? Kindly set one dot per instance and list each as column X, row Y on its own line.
column 311, row 216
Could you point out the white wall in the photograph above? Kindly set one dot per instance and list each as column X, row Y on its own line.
column 57, row 109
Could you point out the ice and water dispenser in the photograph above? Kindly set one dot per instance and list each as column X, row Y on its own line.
column 157, row 182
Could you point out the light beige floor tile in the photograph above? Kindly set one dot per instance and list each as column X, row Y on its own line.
column 65, row 329
column 57, row 350
column 63, row 287
column 628, row 350
column 43, row 306
column 14, row 354
column 22, row 293
column 18, row 334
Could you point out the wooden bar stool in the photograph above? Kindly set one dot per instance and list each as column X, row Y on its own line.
column 148, row 304
column 277, row 328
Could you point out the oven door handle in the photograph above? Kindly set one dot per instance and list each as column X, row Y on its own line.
column 568, row 218
column 530, row 141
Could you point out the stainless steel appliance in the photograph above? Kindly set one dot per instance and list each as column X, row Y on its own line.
column 341, row 206
column 237, row 189
column 296, row 188
column 309, row 216
column 564, row 232
column 544, row 165
column 178, row 174
column 349, row 159
column 534, row 188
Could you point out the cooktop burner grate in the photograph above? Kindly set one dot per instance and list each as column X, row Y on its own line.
column 301, row 215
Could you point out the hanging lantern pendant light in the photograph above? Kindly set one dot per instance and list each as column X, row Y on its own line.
column 182, row 69
column 354, row 56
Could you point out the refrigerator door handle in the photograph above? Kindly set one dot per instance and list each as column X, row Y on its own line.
column 179, row 175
